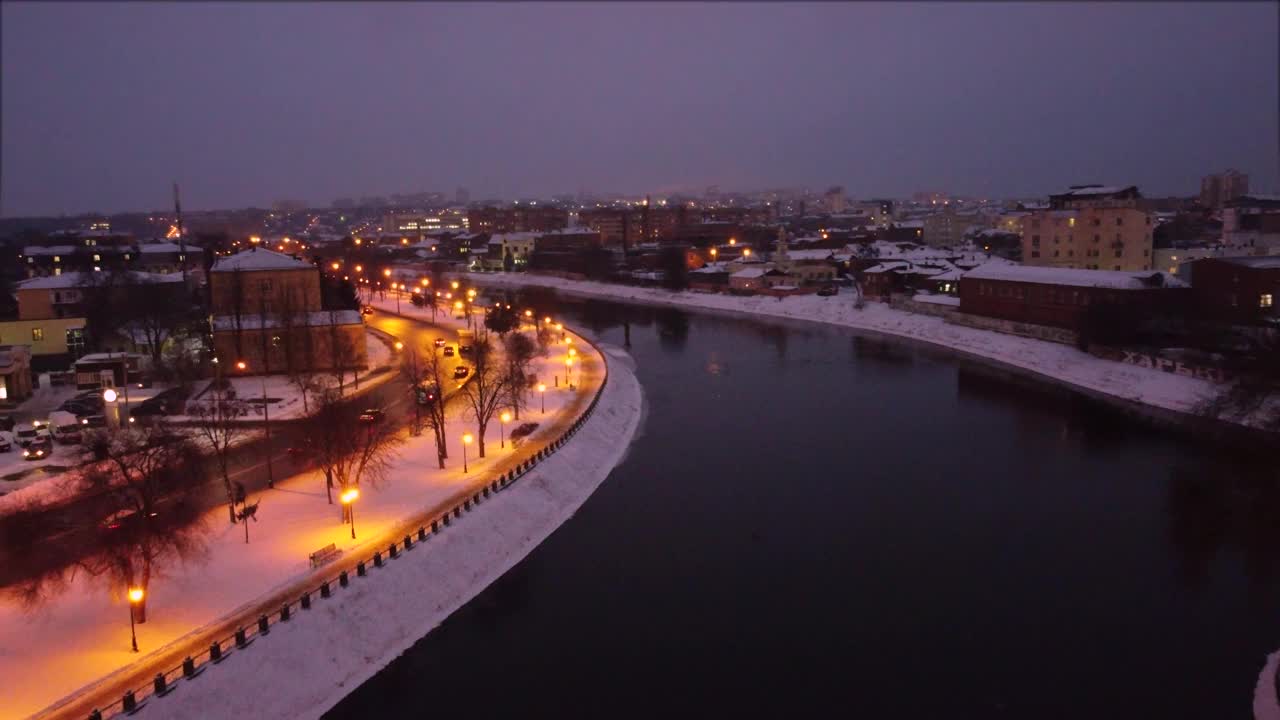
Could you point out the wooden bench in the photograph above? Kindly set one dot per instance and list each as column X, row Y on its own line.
column 324, row 555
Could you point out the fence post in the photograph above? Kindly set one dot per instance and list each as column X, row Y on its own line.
column 264, row 625
column 360, row 571
column 215, row 652
column 377, row 559
column 306, row 601
column 324, row 589
column 422, row 533
column 161, row 686
column 408, row 542
column 241, row 639
column 129, row 702
column 188, row 667
column 393, row 551
column 95, row 715
column 343, row 580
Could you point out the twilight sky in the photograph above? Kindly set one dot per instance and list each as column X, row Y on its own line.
column 105, row 105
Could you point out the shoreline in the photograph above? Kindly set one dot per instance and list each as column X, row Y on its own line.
column 1160, row 414
column 353, row 636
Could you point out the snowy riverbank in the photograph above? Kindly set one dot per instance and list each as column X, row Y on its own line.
column 309, row 664
column 1153, row 392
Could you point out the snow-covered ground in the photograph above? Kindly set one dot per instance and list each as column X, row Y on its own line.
column 310, row 663
column 1266, row 706
column 81, row 636
column 1052, row 361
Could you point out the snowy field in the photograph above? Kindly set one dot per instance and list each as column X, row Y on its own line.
column 310, row 663
column 82, row 636
column 1052, row 361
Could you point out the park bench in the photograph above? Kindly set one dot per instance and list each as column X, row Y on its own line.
column 324, row 555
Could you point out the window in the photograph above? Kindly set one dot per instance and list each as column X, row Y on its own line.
column 75, row 341
column 97, row 257
column 1264, row 300
column 1096, row 222
column 37, row 334
column 57, row 258
column 1035, row 253
column 1055, row 253
column 1097, row 238
column 1035, row 240
column 1119, row 221
column 1071, row 222
column 1117, row 255
column 1146, row 253
column 1055, row 239
column 31, row 260
column 1071, row 253
column 1117, row 267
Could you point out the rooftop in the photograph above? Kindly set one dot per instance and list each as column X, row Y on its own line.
column 1115, row 279
column 260, row 259
column 84, row 279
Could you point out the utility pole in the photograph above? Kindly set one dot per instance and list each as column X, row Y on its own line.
column 182, row 240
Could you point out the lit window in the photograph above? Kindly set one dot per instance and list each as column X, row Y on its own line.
column 1265, row 300
column 97, row 258
column 57, row 258
column 37, row 334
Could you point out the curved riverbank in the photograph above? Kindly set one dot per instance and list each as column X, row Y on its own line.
column 1154, row 394
column 309, row 665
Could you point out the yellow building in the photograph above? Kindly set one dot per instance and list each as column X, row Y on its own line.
column 1090, row 227
column 49, row 339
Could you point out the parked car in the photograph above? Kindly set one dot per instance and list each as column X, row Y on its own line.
column 828, row 290
column 38, row 449
column 372, row 415
column 7, row 422
column 460, row 372
column 448, row 351
column 6, row 441
column 119, row 518
column 65, row 427
column 27, row 433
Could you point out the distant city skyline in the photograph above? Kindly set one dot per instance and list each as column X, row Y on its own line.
column 106, row 105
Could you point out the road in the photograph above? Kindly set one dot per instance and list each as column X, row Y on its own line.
column 139, row 676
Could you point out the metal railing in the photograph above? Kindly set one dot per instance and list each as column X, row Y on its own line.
column 250, row 629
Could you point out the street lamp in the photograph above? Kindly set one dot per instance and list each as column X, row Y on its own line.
column 714, row 252
column 454, row 284
column 503, row 419
column 399, row 346
column 266, row 422
column 348, row 498
column 109, row 396
column 746, row 252
column 542, row 391
column 568, row 371
column 136, row 594
column 466, row 440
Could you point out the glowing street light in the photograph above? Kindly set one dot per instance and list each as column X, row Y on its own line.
column 714, row 252
column 426, row 282
column 503, row 419
column 241, row 365
column 136, row 594
column 348, row 498
column 454, row 284
column 733, row 241
column 542, row 392
column 359, row 268
column 746, row 252
column 399, row 346
column 466, row 440
column 386, row 272
column 335, row 265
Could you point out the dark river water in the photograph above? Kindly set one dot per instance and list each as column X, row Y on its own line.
column 815, row 522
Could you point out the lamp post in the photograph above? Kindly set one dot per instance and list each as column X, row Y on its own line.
column 542, row 392
column 503, row 419
column 242, row 366
column 568, row 372
column 136, row 594
column 466, row 440
column 109, row 396
column 348, row 499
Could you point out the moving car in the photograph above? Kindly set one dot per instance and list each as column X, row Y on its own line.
column 120, row 517
column 440, row 342
column 372, row 415
column 366, row 310
column 448, row 351
column 38, row 449
column 460, row 372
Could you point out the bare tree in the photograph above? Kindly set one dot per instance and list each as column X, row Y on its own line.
column 486, row 388
column 350, row 451
column 155, row 310
column 142, row 511
column 433, row 377
column 1253, row 392
column 294, row 323
column 342, row 354
column 411, row 371
column 218, row 424
column 520, row 351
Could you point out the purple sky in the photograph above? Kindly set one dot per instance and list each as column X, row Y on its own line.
column 105, row 105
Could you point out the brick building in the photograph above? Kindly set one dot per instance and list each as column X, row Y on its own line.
column 1059, row 297
column 267, row 313
column 520, row 218
column 1238, row 290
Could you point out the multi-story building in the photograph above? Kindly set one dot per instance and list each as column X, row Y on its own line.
column 1221, row 188
column 267, row 313
column 1244, row 290
column 1251, row 225
column 520, row 218
column 1090, row 227
column 944, row 229
column 834, row 201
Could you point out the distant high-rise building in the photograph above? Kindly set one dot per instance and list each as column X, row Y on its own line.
column 462, row 196
column 289, row 206
column 834, row 201
column 1219, row 189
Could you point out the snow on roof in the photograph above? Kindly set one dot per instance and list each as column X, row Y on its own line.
column 318, row 318
column 910, row 224
column 159, row 247
column 1266, row 261
column 50, row 250
column 1115, row 279
column 809, row 254
column 1094, row 190
column 885, row 267
column 84, row 279
column 749, row 273
column 260, row 259
column 711, row 268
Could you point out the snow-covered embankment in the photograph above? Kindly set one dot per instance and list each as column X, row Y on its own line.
column 309, row 664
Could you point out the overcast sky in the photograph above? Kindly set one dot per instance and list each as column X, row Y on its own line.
column 104, row 106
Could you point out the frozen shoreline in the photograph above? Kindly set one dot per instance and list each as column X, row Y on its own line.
column 309, row 664
column 1153, row 393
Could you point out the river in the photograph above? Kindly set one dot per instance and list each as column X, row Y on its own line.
column 815, row 521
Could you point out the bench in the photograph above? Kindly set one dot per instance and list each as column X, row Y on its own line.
column 324, row 555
